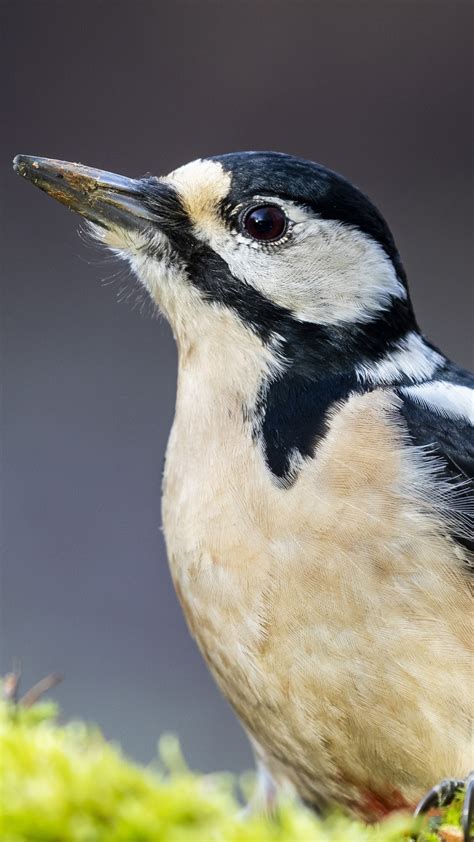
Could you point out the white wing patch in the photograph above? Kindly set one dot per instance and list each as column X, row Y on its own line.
column 444, row 398
column 413, row 358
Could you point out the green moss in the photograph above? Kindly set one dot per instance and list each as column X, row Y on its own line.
column 450, row 817
column 68, row 784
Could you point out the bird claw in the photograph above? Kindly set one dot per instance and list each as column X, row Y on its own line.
column 443, row 793
column 467, row 814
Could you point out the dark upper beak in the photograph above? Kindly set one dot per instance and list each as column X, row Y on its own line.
column 102, row 197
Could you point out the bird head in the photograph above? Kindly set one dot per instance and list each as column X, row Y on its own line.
column 260, row 249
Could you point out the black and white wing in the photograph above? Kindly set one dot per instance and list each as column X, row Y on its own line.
column 439, row 414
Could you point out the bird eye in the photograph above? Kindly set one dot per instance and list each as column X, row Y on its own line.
column 266, row 223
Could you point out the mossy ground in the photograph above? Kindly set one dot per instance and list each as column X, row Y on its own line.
column 66, row 783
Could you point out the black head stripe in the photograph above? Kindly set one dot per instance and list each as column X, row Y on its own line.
column 312, row 349
column 171, row 217
column 291, row 410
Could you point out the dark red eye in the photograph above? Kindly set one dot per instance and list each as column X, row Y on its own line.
column 265, row 223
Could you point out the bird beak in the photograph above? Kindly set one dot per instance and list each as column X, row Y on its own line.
column 101, row 197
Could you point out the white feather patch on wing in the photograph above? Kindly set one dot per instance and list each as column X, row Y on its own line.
column 412, row 358
column 444, row 398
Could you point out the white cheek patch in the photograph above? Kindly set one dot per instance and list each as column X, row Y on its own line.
column 411, row 358
column 444, row 398
column 326, row 272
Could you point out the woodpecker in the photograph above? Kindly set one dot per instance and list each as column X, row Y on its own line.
column 317, row 496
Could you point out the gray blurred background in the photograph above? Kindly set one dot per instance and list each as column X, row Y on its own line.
column 378, row 90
